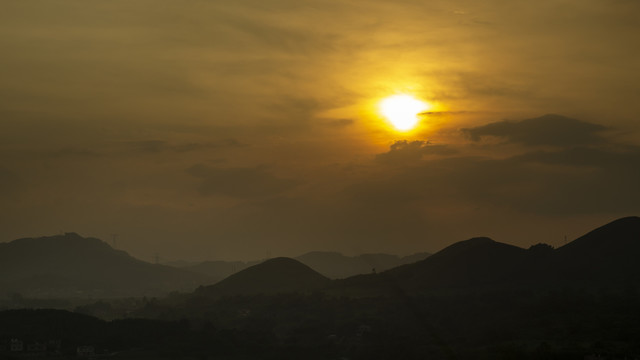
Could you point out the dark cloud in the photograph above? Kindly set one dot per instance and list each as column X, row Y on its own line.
column 403, row 152
column 554, row 130
column 239, row 182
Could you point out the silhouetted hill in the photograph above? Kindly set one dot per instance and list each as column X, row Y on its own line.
column 613, row 239
column 604, row 258
column 476, row 299
column 218, row 270
column 607, row 256
column 70, row 265
column 278, row 275
column 331, row 264
column 470, row 264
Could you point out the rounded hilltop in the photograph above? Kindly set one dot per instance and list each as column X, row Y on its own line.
column 277, row 275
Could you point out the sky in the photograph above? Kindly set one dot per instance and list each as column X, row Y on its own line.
column 233, row 130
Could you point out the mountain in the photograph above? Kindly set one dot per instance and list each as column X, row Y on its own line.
column 331, row 264
column 70, row 265
column 607, row 256
column 278, row 275
column 620, row 237
column 603, row 258
column 471, row 264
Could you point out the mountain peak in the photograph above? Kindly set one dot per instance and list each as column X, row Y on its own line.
column 277, row 275
column 67, row 244
column 479, row 240
column 466, row 245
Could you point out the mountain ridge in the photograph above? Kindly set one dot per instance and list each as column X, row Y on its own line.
column 331, row 264
column 71, row 265
column 605, row 256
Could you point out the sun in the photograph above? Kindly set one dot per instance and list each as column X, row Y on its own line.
column 402, row 111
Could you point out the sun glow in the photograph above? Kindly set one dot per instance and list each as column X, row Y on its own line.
column 402, row 111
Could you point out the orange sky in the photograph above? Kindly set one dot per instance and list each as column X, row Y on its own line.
column 220, row 130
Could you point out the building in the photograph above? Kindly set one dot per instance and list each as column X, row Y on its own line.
column 16, row 345
column 85, row 351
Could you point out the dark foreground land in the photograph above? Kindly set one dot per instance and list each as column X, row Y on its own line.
column 563, row 324
column 476, row 299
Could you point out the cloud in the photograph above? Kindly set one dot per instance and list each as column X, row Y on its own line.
column 239, row 182
column 404, row 152
column 554, row 130
column 600, row 178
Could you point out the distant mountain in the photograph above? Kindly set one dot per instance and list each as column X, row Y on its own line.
column 337, row 266
column 278, row 275
column 331, row 264
column 604, row 258
column 466, row 281
column 474, row 263
column 70, row 265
